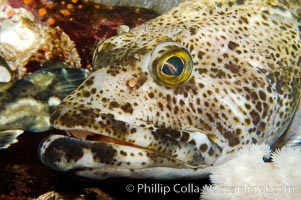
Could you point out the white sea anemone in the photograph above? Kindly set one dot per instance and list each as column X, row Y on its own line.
column 248, row 176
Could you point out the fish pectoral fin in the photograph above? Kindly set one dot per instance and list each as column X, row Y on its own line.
column 9, row 137
column 292, row 136
column 68, row 79
column 59, row 80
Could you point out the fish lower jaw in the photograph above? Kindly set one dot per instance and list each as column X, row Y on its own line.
column 85, row 153
column 90, row 160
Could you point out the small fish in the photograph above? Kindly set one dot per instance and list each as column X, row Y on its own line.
column 179, row 94
column 26, row 105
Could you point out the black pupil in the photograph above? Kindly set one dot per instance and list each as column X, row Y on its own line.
column 173, row 66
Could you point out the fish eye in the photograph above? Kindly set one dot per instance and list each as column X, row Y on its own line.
column 171, row 64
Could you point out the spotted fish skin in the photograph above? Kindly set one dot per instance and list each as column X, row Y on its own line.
column 244, row 88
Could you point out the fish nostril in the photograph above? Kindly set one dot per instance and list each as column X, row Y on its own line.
column 132, row 83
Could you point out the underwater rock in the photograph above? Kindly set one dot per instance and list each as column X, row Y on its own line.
column 85, row 30
column 22, row 41
column 86, row 194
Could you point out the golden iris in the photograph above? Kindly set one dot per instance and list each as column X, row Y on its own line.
column 173, row 67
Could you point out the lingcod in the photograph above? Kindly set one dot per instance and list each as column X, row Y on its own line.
column 176, row 96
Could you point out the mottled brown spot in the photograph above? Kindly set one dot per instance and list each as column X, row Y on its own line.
column 102, row 152
column 201, row 85
column 90, row 81
column 211, row 152
column 142, row 78
column 192, row 142
column 192, row 30
column 232, row 45
column 248, row 106
column 236, row 119
column 175, row 134
column 123, row 153
column 151, row 95
column 219, row 127
column 202, row 70
column 133, row 130
column 176, row 110
column 104, row 100
column 114, row 104
column 233, row 139
column 185, row 137
column 261, row 126
column 200, row 54
column 255, row 117
column 184, row 89
column 203, row 148
column 262, row 95
column 160, row 105
column 160, row 132
column 238, row 131
column 232, row 67
column 86, row 94
column 182, row 103
column 168, row 98
column 254, row 96
column 209, row 116
column 279, row 86
column 219, row 73
column 244, row 19
column 93, row 90
column 259, row 106
column 127, row 108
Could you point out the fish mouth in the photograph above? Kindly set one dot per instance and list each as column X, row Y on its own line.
column 98, row 146
column 96, row 137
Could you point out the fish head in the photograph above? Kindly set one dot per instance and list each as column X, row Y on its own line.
column 179, row 94
column 140, row 107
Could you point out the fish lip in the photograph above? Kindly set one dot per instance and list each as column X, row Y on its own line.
column 101, row 138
